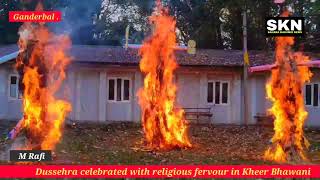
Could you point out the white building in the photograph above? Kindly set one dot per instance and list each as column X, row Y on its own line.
column 102, row 83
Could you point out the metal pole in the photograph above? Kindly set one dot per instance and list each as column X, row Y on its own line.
column 245, row 68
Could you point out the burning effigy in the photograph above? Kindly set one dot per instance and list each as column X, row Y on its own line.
column 284, row 89
column 41, row 64
column 163, row 123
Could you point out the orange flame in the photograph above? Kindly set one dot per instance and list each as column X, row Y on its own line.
column 41, row 63
column 284, row 89
column 164, row 125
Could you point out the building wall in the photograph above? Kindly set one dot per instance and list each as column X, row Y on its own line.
column 257, row 102
column 260, row 104
column 86, row 89
column 3, row 93
column 188, row 90
column 192, row 93
column 85, row 86
column 314, row 112
column 90, row 94
column 10, row 109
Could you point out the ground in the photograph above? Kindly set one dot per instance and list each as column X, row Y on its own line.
column 122, row 143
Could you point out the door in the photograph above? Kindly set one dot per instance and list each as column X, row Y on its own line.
column 119, row 98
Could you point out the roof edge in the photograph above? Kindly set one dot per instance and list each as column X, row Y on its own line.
column 8, row 57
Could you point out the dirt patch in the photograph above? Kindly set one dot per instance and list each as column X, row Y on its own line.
column 123, row 143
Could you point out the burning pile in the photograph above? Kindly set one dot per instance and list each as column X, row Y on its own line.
column 284, row 89
column 164, row 125
column 41, row 65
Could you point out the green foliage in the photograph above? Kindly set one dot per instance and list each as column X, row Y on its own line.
column 116, row 15
column 212, row 23
column 218, row 23
column 8, row 31
column 198, row 20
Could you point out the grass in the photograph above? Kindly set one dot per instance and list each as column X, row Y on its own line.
column 123, row 143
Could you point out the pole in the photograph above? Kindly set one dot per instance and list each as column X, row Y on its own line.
column 245, row 68
column 127, row 36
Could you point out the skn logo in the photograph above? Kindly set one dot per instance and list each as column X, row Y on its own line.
column 285, row 26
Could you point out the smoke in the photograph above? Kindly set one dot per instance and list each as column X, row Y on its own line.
column 87, row 22
column 99, row 21
column 77, row 19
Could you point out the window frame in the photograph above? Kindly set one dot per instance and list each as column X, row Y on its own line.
column 305, row 95
column 228, row 92
column 19, row 97
column 220, row 95
column 122, row 89
column 123, row 92
column 312, row 90
column 312, row 95
column 213, row 92
column 114, row 89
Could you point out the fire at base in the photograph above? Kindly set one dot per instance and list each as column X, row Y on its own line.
column 284, row 89
column 164, row 125
column 41, row 65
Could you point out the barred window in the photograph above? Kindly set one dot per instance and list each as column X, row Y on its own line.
column 312, row 95
column 218, row 92
column 118, row 89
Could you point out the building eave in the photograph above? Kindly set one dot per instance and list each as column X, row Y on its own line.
column 9, row 57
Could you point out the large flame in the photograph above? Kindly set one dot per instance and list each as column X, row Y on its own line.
column 284, row 89
column 41, row 64
column 164, row 125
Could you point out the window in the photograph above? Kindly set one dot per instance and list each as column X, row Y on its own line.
column 308, row 94
column 315, row 94
column 217, row 93
column 14, row 87
column 119, row 84
column 312, row 95
column 225, row 91
column 111, row 89
column 126, row 86
column 210, row 92
column 219, row 90
column 118, row 89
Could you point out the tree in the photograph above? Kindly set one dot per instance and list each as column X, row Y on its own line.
column 8, row 31
column 311, row 11
column 212, row 23
column 116, row 15
column 218, row 23
column 199, row 20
